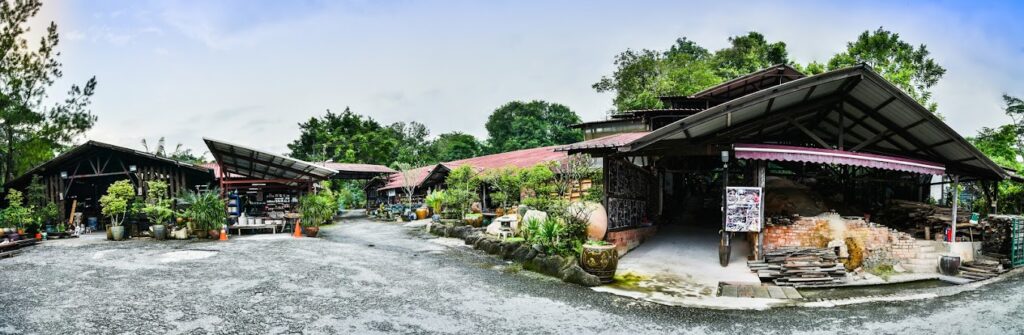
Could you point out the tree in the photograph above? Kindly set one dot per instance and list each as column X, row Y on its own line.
column 115, row 204
column 748, row 53
column 32, row 131
column 520, row 125
column 1004, row 146
column 352, row 138
column 180, row 153
column 408, row 174
column 452, row 146
column 909, row 68
column 685, row 68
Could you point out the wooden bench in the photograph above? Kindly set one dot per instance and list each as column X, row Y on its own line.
column 273, row 228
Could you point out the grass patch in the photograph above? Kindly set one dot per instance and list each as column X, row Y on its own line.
column 884, row 271
column 513, row 268
column 514, row 239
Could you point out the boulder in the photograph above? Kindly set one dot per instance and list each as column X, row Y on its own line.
column 472, row 237
column 575, row 274
column 507, row 248
column 523, row 253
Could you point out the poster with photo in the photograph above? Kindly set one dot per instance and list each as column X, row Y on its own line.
column 743, row 209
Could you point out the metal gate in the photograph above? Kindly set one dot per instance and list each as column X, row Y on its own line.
column 1016, row 242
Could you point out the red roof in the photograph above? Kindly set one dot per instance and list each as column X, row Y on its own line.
column 519, row 158
column 610, row 141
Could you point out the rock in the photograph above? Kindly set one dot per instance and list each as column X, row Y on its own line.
column 523, row 253
column 575, row 274
column 507, row 248
column 472, row 237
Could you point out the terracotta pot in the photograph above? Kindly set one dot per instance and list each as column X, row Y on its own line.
column 312, row 231
column 600, row 260
column 500, row 211
column 596, row 217
column 213, row 233
column 422, row 213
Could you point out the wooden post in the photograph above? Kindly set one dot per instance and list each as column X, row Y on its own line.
column 762, row 171
column 956, row 201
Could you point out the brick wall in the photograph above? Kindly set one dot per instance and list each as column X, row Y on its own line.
column 626, row 240
column 816, row 232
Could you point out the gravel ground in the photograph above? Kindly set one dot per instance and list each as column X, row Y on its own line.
column 364, row 277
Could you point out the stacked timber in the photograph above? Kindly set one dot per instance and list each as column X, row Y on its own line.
column 799, row 267
column 999, row 235
column 981, row 269
column 913, row 217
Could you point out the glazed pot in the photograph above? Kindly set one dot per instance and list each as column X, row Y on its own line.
column 117, row 232
column 312, row 231
column 949, row 265
column 110, row 236
column 214, row 234
column 600, row 260
column 159, row 232
column 422, row 213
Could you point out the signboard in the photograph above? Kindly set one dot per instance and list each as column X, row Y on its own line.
column 743, row 209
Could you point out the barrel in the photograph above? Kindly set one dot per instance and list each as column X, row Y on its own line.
column 949, row 265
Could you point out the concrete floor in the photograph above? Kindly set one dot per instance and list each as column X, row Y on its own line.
column 688, row 255
column 369, row 278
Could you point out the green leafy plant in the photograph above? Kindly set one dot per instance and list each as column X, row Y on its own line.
column 316, row 209
column 463, row 183
column 115, row 204
column 206, row 209
column 158, row 205
column 16, row 214
column 435, row 200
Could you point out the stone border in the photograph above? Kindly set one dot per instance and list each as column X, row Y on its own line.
column 565, row 268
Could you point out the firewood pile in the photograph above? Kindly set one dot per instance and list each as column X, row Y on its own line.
column 981, row 269
column 913, row 217
column 998, row 230
column 799, row 267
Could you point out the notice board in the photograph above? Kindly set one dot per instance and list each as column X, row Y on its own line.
column 743, row 208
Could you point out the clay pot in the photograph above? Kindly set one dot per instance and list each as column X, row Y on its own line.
column 110, row 236
column 500, row 211
column 950, row 265
column 213, row 233
column 600, row 260
column 312, row 231
column 117, row 232
column 596, row 217
column 201, row 233
column 422, row 213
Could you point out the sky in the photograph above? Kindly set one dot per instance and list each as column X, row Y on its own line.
column 250, row 71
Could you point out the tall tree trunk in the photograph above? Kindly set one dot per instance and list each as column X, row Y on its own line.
column 9, row 161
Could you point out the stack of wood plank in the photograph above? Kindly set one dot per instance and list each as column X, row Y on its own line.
column 981, row 269
column 800, row 267
column 913, row 217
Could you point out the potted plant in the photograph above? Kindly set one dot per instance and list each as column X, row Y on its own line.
column 158, row 208
column 207, row 212
column 115, row 205
column 599, row 258
column 315, row 209
column 435, row 200
column 16, row 215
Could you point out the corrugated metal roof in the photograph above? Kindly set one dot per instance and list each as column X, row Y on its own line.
column 519, row 158
column 610, row 141
column 870, row 105
column 85, row 147
column 251, row 163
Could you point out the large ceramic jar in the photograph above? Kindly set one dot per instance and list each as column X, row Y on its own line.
column 600, row 260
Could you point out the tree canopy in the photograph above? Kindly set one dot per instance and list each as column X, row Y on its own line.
column 1004, row 145
column 911, row 69
column 520, row 125
column 685, row 67
column 32, row 129
column 456, row 145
